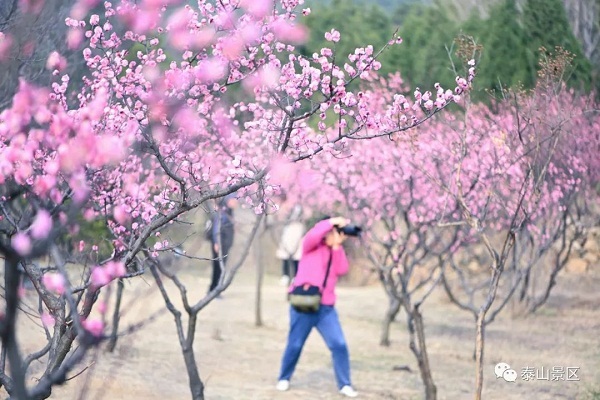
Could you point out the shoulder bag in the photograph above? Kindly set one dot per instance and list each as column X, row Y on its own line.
column 307, row 298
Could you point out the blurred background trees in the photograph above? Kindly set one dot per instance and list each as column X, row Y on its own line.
column 510, row 31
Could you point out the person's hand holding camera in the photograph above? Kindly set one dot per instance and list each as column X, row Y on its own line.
column 339, row 221
column 335, row 238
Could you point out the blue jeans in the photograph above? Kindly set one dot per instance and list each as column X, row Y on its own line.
column 327, row 323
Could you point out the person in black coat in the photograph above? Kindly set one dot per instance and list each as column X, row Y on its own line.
column 221, row 237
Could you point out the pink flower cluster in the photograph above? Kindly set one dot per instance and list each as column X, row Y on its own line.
column 103, row 275
column 413, row 181
column 149, row 133
column 55, row 282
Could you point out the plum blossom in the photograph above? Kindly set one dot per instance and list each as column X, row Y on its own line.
column 257, row 8
column 115, row 269
column 54, row 282
column 100, row 277
column 120, row 214
column 332, row 36
column 95, row 326
column 42, row 225
column 21, row 243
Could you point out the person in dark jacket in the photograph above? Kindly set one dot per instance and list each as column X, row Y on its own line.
column 221, row 238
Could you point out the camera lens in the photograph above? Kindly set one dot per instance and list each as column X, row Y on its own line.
column 351, row 230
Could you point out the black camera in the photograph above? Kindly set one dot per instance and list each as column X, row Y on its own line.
column 350, row 230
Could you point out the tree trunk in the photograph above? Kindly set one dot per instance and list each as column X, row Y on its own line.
column 525, row 287
column 260, row 271
column 479, row 345
column 417, row 346
column 8, row 326
column 390, row 316
column 62, row 349
column 112, row 343
column 196, row 385
column 424, row 367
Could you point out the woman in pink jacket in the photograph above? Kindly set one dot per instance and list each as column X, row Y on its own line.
column 319, row 244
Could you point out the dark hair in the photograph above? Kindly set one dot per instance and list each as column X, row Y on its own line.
column 223, row 206
column 223, row 200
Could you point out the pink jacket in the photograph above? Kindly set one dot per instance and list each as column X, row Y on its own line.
column 313, row 263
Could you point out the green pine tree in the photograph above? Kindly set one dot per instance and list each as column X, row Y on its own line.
column 504, row 60
column 422, row 58
column 359, row 26
column 545, row 24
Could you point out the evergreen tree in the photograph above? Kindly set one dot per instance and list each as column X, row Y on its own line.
column 511, row 38
column 504, row 60
column 427, row 32
column 545, row 24
column 358, row 25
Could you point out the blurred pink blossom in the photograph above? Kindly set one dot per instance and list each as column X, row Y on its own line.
column 232, row 46
column 47, row 320
column 21, row 243
column 42, row 225
column 43, row 184
column 282, row 170
column 74, row 38
column 54, row 282
column 266, row 77
column 89, row 214
column 95, row 326
column 257, row 8
column 211, row 70
column 289, row 33
column 203, row 38
column 100, row 277
column 115, row 269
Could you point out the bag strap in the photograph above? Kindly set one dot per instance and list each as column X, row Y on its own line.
column 328, row 268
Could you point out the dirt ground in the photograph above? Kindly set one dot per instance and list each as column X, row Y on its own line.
column 238, row 360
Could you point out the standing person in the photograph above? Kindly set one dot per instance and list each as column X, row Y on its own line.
column 290, row 248
column 221, row 236
column 322, row 246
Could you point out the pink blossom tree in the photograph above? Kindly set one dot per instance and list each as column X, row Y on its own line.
column 378, row 187
column 498, row 182
column 562, row 216
column 29, row 33
column 186, row 105
column 42, row 192
column 550, row 240
column 381, row 185
column 507, row 181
